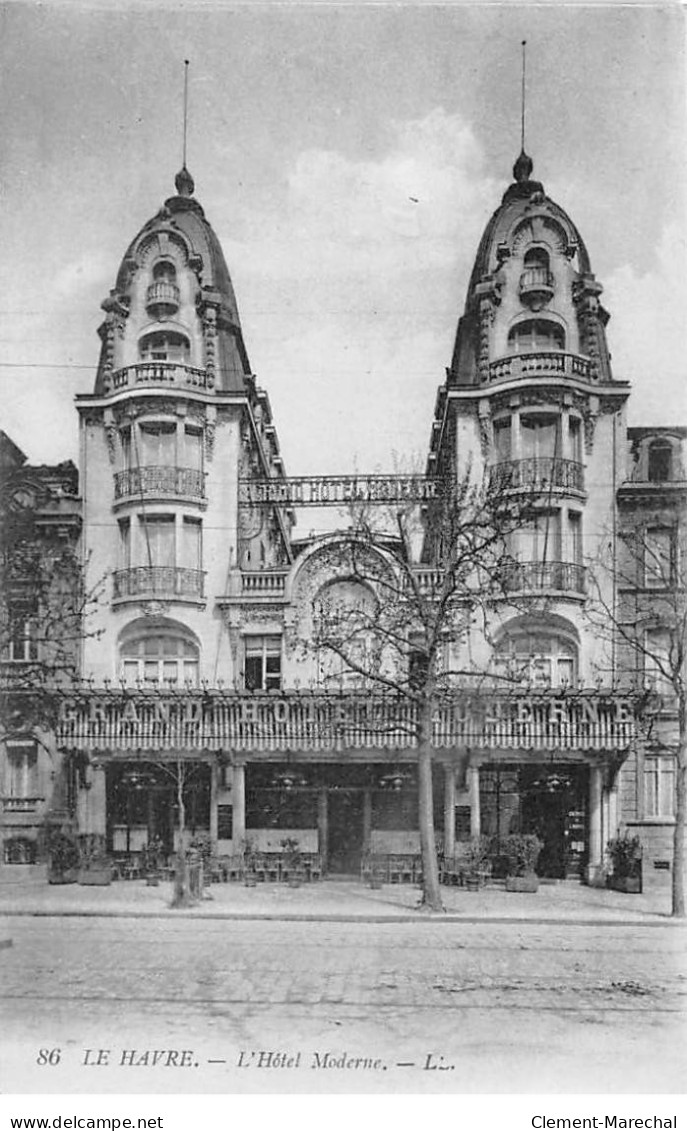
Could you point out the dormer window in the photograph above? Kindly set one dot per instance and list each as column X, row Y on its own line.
column 165, row 345
column 660, row 462
column 162, row 299
column 536, row 335
column 536, row 281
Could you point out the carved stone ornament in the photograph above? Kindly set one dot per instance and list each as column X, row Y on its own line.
column 155, row 608
column 486, row 428
column 112, row 440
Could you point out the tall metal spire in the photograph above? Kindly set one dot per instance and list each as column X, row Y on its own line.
column 522, row 115
column 186, row 110
column 184, row 181
column 522, row 169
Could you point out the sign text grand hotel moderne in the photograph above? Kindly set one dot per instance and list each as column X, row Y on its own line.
column 311, row 721
column 337, row 490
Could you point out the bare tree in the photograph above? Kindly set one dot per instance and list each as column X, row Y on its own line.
column 425, row 589
column 640, row 609
column 45, row 608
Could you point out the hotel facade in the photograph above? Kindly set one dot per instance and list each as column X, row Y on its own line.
column 191, row 661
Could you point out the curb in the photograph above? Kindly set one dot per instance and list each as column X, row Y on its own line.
column 335, row 917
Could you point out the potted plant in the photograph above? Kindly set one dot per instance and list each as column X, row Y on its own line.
column 522, row 850
column 95, row 868
column 249, row 855
column 63, row 858
column 625, row 855
column 477, row 860
column 292, row 861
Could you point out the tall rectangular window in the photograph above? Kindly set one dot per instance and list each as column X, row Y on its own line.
column 192, row 544
column 540, row 539
column 659, row 787
column 657, row 661
column 124, row 543
column 575, row 537
column 575, row 439
column 502, row 439
column 262, row 663
column 22, row 769
column 22, row 645
column 192, row 448
column 157, row 542
column 539, row 436
column 658, row 557
column 158, row 445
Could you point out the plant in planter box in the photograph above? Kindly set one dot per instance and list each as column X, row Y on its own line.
column 249, row 856
column 523, row 851
column 477, row 860
column 63, row 857
column 625, row 855
column 292, row 861
column 94, row 864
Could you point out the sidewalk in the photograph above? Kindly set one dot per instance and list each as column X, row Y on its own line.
column 344, row 900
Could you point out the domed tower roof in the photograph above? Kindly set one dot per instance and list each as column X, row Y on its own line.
column 180, row 232
column 527, row 220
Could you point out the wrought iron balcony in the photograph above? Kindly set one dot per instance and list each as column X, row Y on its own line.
column 564, row 577
column 264, row 723
column 541, row 473
column 21, row 804
column 165, row 373
column 536, row 283
column 162, row 298
column 157, row 481
column 163, row 582
column 542, row 363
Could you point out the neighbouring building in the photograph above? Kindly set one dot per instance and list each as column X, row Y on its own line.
column 190, row 663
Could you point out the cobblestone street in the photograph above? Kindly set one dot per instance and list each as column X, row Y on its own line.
column 426, row 1005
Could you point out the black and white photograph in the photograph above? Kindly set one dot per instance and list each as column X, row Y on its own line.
column 343, row 536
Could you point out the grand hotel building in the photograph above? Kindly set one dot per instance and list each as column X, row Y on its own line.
column 184, row 508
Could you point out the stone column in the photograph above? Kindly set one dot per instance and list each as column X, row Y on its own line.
column 595, row 866
column 322, row 825
column 612, row 829
column 213, row 806
column 473, row 792
column 367, row 819
column 449, row 810
column 96, row 802
column 238, row 796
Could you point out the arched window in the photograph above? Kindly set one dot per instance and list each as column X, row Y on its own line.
column 536, row 257
column 161, row 656
column 536, row 659
column 536, row 334
column 164, row 272
column 344, row 614
column 165, row 345
column 660, row 461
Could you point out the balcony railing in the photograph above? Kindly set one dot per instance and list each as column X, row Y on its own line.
column 21, row 804
column 263, row 583
column 148, row 482
column 541, row 473
column 162, row 296
column 259, row 722
column 159, row 581
column 553, row 363
column 566, row 577
column 161, row 373
column 536, row 281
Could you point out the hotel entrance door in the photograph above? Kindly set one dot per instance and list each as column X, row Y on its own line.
column 345, row 831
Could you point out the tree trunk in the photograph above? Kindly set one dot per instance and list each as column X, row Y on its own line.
column 678, row 892
column 431, row 890
column 182, row 891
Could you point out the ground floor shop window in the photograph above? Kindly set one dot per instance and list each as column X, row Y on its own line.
column 142, row 803
column 20, row 850
column 659, row 787
column 548, row 801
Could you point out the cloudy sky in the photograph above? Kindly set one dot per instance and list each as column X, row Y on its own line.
column 348, row 158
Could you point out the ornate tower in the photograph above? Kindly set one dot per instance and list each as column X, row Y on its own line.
column 174, row 421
